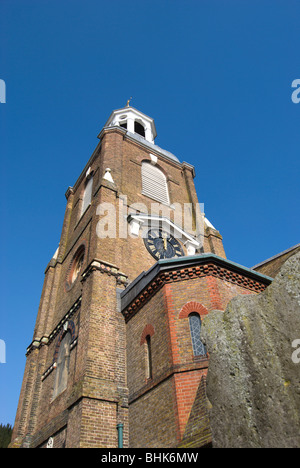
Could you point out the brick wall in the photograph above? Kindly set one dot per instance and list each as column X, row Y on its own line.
column 272, row 266
column 178, row 377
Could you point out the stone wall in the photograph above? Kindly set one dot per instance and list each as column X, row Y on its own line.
column 253, row 383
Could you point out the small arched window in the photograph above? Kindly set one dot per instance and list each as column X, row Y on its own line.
column 154, row 183
column 139, row 128
column 87, row 196
column 62, row 365
column 195, row 328
column 123, row 124
column 75, row 267
column 148, row 358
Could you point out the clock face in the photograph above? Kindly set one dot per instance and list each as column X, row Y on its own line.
column 162, row 245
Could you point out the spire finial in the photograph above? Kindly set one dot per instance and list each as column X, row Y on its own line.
column 128, row 102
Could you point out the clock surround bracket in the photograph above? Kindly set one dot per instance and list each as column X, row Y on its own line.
column 141, row 223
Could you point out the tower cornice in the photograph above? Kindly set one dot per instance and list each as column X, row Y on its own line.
column 185, row 268
column 139, row 141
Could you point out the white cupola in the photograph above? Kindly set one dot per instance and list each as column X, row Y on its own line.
column 134, row 122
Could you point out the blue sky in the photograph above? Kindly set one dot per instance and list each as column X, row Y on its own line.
column 215, row 75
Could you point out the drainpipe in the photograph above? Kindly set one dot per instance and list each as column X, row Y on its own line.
column 120, row 435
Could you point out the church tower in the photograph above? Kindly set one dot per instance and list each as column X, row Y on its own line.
column 133, row 237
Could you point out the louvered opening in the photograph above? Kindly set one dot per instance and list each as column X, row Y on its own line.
column 154, row 183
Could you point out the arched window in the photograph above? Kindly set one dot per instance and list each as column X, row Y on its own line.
column 75, row 267
column 62, row 365
column 87, row 197
column 148, row 358
column 139, row 128
column 146, row 343
column 154, row 183
column 123, row 125
column 195, row 328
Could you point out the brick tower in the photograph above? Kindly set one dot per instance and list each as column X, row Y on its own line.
column 116, row 343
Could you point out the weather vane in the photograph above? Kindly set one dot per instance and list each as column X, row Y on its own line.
column 128, row 102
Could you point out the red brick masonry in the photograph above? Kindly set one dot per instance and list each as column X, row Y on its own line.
column 158, row 304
